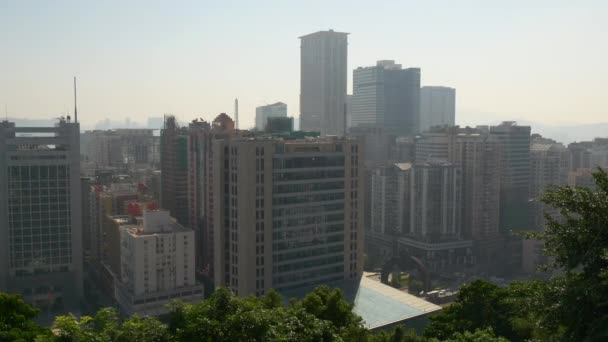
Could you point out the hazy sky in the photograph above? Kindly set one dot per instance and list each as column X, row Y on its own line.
column 543, row 61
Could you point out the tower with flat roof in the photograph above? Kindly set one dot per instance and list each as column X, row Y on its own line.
column 40, row 214
column 323, row 76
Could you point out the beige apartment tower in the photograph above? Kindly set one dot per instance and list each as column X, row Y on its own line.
column 291, row 213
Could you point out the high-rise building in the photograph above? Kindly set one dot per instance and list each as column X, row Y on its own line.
column 514, row 141
column 435, row 202
column 201, row 198
column 288, row 213
column 41, row 253
column 387, row 96
column 549, row 167
column 437, row 144
column 156, row 265
column 378, row 143
column 480, row 159
column 418, row 207
column 479, row 156
column 580, row 156
column 437, row 107
column 262, row 113
column 174, row 170
column 323, row 77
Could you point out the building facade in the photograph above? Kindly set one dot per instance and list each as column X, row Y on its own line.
column 174, row 170
column 549, row 167
column 515, row 207
column 386, row 96
column 288, row 214
column 157, row 265
column 437, row 107
column 41, row 214
column 262, row 113
column 202, row 137
column 323, row 78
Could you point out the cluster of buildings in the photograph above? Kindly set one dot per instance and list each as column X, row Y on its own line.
column 149, row 218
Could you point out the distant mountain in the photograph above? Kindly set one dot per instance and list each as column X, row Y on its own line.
column 569, row 133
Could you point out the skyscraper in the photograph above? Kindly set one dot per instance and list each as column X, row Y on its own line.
column 386, row 96
column 437, row 107
column 274, row 110
column 40, row 213
column 288, row 213
column 323, row 77
column 514, row 141
column 174, row 170
column 549, row 166
column 202, row 137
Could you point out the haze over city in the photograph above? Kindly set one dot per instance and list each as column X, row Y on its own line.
column 540, row 62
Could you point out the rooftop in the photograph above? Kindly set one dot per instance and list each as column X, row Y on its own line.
column 319, row 33
column 378, row 304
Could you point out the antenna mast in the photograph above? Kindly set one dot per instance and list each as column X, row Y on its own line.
column 75, row 103
column 236, row 112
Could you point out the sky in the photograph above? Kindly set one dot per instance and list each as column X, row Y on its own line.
column 539, row 61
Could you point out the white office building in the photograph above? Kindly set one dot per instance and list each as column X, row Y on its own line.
column 262, row 113
column 323, row 78
column 40, row 214
column 437, row 107
column 157, row 265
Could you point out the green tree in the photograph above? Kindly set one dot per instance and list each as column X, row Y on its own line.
column 479, row 335
column 577, row 241
column 16, row 319
column 572, row 306
column 149, row 329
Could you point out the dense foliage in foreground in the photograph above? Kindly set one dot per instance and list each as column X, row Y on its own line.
column 572, row 306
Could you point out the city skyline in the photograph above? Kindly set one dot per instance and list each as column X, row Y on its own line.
column 158, row 67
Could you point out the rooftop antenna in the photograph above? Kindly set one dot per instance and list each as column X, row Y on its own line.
column 236, row 112
column 75, row 103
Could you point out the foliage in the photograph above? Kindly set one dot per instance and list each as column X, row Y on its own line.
column 572, row 306
column 105, row 326
column 16, row 319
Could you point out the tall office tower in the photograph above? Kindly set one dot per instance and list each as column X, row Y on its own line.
column 40, row 213
column 390, row 198
column 549, row 167
column 323, row 79
column 174, row 170
column 438, row 144
column 437, row 107
column 418, row 206
column 262, row 113
column 435, row 202
column 291, row 213
column 156, row 265
column 378, row 143
column 201, row 139
column 580, row 156
column 404, row 150
column 349, row 110
column 480, row 159
column 387, row 96
column 515, row 175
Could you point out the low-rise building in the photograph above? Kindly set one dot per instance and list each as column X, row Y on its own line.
column 157, row 265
